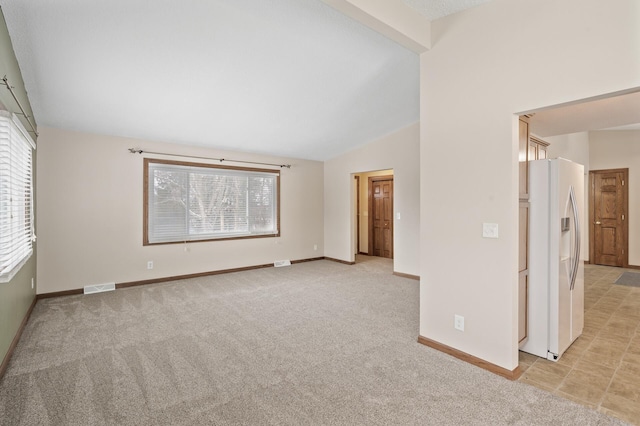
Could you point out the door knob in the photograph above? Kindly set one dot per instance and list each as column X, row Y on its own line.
column 597, row 223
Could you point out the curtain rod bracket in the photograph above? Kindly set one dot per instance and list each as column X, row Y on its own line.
column 5, row 81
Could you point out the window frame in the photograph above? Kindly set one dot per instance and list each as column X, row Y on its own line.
column 146, row 209
column 24, row 246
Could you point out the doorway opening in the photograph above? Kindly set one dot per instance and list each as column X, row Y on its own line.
column 374, row 213
column 597, row 132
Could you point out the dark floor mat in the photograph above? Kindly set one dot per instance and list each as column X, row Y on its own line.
column 631, row 279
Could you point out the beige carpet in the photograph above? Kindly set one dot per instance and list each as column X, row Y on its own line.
column 317, row 343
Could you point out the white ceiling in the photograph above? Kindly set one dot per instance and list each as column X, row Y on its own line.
column 286, row 77
column 289, row 77
column 615, row 112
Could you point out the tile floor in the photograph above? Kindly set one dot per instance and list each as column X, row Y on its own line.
column 602, row 367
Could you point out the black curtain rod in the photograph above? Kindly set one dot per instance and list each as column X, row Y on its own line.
column 6, row 83
column 139, row 151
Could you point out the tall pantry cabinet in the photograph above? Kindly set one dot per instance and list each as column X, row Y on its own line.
column 530, row 148
column 523, row 224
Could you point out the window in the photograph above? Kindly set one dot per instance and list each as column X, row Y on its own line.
column 16, row 196
column 202, row 202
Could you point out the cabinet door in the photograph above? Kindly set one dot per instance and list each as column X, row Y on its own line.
column 523, row 274
column 523, row 237
column 523, row 154
column 523, row 299
column 537, row 148
column 533, row 151
column 542, row 152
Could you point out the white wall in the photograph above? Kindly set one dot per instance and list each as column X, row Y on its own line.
column 398, row 151
column 618, row 150
column 575, row 147
column 487, row 63
column 89, row 224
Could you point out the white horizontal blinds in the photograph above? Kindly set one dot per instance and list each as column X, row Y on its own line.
column 188, row 203
column 16, row 196
column 262, row 204
column 167, row 203
column 217, row 203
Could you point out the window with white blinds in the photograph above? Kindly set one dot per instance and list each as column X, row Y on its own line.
column 16, row 196
column 200, row 202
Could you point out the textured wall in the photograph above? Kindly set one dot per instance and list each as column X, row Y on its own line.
column 90, row 224
column 486, row 65
column 398, row 151
column 17, row 295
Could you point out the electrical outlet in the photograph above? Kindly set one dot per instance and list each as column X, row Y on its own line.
column 315, row 247
column 458, row 322
column 150, row 264
column 32, row 282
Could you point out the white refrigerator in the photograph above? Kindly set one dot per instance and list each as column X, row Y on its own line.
column 556, row 271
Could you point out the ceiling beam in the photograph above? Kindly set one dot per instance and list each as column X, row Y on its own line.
column 391, row 18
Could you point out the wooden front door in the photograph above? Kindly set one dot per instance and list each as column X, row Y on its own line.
column 381, row 216
column 608, row 201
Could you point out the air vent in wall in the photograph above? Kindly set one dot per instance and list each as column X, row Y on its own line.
column 99, row 288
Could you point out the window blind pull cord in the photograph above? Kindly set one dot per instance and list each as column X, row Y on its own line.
column 139, row 151
column 5, row 81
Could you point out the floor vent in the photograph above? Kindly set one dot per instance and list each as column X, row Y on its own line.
column 279, row 263
column 99, row 288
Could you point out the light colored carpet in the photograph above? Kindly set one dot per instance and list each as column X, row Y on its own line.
column 631, row 279
column 317, row 343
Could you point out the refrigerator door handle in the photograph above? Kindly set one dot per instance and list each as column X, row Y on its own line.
column 576, row 221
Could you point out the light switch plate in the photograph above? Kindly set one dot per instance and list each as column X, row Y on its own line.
column 490, row 230
column 458, row 322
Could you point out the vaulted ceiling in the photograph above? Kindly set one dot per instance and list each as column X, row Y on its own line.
column 286, row 77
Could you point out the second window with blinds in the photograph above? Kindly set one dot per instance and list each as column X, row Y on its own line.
column 203, row 202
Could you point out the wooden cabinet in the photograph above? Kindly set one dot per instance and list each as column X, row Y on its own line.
column 524, row 152
column 523, row 226
column 537, row 148
column 529, row 148
column 523, row 271
column 523, row 157
column 523, row 305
